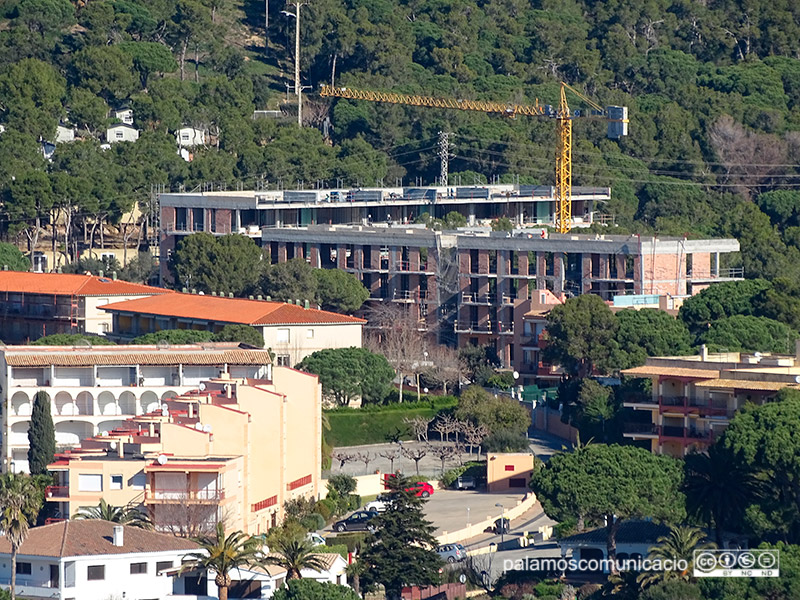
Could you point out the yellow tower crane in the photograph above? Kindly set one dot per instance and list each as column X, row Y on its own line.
column 617, row 117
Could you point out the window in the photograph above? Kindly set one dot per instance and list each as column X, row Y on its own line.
column 309, row 334
column 90, row 482
column 116, row 482
column 96, row 573
column 118, row 135
column 139, row 568
column 185, row 137
column 163, row 565
column 509, row 467
column 23, row 568
column 283, row 336
column 284, row 360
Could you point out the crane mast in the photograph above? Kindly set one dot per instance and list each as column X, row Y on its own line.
column 617, row 117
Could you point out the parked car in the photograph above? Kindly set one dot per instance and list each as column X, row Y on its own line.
column 358, row 521
column 315, row 539
column 381, row 503
column 421, row 488
column 452, row 552
column 465, row 482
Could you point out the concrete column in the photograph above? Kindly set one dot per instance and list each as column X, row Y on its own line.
column 299, row 250
column 602, row 260
column 281, row 251
column 639, row 286
column 314, row 254
column 586, row 273
column 341, row 256
column 358, row 258
column 523, row 264
column 558, row 272
column 541, row 270
column 413, row 259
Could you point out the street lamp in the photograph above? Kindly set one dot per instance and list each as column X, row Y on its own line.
column 297, row 89
column 502, row 521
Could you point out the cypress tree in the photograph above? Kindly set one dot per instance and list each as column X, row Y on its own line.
column 401, row 551
column 41, row 435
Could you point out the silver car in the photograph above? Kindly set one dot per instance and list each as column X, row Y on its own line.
column 452, row 552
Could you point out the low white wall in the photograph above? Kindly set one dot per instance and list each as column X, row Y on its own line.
column 449, row 537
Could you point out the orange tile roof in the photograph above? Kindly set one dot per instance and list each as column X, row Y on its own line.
column 67, row 284
column 93, row 537
column 230, row 310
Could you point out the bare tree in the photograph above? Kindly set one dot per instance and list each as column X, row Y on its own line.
column 344, row 458
column 750, row 159
column 443, row 452
column 474, row 436
column 415, row 454
column 391, row 455
column 366, row 458
column 445, row 425
column 440, row 427
column 444, row 367
column 419, row 427
column 399, row 337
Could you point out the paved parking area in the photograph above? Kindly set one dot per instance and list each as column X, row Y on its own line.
column 450, row 510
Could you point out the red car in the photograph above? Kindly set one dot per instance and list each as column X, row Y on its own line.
column 421, row 488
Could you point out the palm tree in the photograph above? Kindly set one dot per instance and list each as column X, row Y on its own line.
column 354, row 572
column 719, row 487
column 125, row 515
column 294, row 555
column 20, row 502
column 680, row 544
column 221, row 555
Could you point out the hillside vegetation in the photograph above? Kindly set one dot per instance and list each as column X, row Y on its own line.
column 713, row 91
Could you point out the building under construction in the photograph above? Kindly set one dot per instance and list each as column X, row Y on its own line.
column 473, row 284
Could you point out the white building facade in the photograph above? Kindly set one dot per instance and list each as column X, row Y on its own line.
column 94, row 390
column 94, row 560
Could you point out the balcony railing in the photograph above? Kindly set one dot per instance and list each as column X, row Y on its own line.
column 57, row 491
column 505, row 328
column 686, row 434
column 183, row 495
column 473, row 326
column 475, row 298
column 673, row 400
column 641, row 428
column 405, row 265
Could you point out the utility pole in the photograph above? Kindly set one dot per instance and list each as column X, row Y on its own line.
column 444, row 157
column 298, row 89
column 266, row 27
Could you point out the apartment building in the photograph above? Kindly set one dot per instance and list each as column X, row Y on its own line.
column 695, row 397
column 249, row 211
column 33, row 305
column 235, row 450
column 470, row 282
column 94, row 390
column 292, row 331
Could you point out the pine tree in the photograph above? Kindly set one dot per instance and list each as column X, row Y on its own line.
column 41, row 435
column 401, row 550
